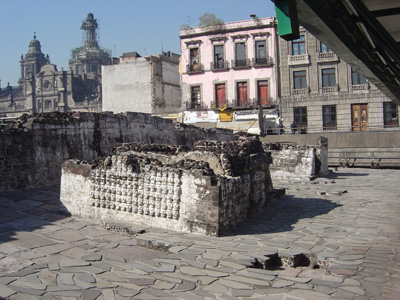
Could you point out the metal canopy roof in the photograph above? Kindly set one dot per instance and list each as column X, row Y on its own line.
column 364, row 33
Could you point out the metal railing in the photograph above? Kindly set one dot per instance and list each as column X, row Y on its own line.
column 240, row 63
column 219, row 65
column 194, row 68
column 263, row 62
column 250, row 103
column 244, row 104
column 236, row 104
column 342, row 128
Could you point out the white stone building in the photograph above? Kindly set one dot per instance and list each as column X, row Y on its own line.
column 148, row 84
column 321, row 92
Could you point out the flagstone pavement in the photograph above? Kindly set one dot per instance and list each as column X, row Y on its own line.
column 347, row 224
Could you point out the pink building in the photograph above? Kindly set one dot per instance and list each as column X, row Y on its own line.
column 229, row 73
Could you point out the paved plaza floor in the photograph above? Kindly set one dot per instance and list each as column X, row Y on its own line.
column 347, row 224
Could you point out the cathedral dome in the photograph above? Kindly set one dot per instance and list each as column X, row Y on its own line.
column 34, row 43
column 34, row 46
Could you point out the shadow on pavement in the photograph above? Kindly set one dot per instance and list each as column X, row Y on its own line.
column 342, row 175
column 281, row 215
column 26, row 211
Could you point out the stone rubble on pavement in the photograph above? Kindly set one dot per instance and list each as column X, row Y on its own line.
column 348, row 224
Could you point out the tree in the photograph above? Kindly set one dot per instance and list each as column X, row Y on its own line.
column 187, row 25
column 208, row 19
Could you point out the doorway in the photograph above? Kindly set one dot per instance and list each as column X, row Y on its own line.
column 359, row 121
column 242, row 94
column 220, row 97
column 262, row 90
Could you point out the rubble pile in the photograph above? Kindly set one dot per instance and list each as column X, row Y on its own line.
column 138, row 161
column 144, row 147
column 284, row 146
column 234, row 155
column 53, row 118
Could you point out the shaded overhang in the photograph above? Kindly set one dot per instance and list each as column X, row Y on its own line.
column 364, row 33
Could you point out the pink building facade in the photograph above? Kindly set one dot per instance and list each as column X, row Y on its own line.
column 229, row 73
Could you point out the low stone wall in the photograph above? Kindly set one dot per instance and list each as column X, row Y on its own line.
column 298, row 162
column 31, row 153
column 200, row 191
column 358, row 149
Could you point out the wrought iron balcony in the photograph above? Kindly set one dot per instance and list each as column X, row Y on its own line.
column 246, row 103
column 241, row 63
column 219, row 65
column 263, row 62
column 253, row 103
column 195, row 68
column 194, row 105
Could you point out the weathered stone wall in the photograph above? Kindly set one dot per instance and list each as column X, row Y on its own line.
column 16, row 160
column 153, row 186
column 298, row 162
column 358, row 149
column 31, row 154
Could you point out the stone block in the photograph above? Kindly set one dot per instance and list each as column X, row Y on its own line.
column 159, row 185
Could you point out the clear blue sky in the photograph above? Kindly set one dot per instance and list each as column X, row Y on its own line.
column 124, row 25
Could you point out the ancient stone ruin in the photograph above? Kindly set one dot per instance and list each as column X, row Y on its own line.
column 298, row 162
column 33, row 150
column 205, row 190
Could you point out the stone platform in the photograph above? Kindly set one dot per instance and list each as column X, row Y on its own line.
column 349, row 222
column 206, row 191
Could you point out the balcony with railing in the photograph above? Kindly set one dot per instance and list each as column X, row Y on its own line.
column 327, row 57
column 219, row 65
column 330, row 89
column 298, row 92
column 263, row 62
column 241, row 63
column 303, row 59
column 251, row 103
column 194, row 68
column 244, row 104
column 359, row 87
column 194, row 105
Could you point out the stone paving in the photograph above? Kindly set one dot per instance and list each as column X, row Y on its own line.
column 347, row 223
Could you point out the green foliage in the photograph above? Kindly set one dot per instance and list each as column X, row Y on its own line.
column 187, row 26
column 208, row 19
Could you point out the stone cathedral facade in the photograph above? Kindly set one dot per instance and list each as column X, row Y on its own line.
column 44, row 88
